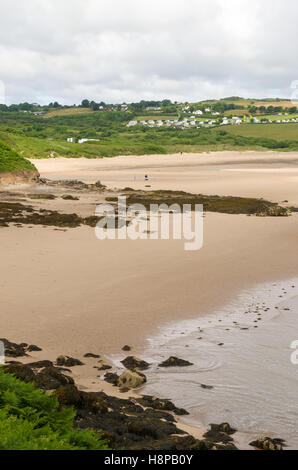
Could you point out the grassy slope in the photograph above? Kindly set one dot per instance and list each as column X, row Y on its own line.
column 11, row 161
column 36, row 137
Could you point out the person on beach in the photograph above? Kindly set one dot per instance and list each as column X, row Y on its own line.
column 146, row 178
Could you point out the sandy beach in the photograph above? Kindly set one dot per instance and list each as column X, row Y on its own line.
column 80, row 293
column 71, row 293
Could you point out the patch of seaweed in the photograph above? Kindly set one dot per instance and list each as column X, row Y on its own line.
column 221, row 204
column 14, row 212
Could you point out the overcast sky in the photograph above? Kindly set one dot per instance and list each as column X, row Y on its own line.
column 128, row 50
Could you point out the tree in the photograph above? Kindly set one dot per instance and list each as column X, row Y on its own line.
column 85, row 104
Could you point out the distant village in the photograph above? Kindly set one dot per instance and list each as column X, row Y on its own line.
column 196, row 120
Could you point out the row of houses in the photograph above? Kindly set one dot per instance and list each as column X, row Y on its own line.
column 73, row 140
column 193, row 122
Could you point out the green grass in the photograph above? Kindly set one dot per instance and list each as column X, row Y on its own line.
column 11, row 161
column 35, row 137
column 288, row 131
column 31, row 420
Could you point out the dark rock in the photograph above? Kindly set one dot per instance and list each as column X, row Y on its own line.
column 220, row 433
column 111, row 378
column 175, row 362
column 20, row 371
column 68, row 197
column 13, row 349
column 68, row 361
column 132, row 363
column 223, row 427
column 148, row 401
column 33, row 348
column 69, row 395
column 267, row 443
column 207, row 387
column 126, row 348
column 95, row 356
column 50, row 378
column 105, row 367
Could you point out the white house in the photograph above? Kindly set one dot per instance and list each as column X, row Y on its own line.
column 132, row 123
column 82, row 141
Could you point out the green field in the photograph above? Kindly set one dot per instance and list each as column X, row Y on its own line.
column 288, row 131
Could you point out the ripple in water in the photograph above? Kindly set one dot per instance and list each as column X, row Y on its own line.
column 242, row 354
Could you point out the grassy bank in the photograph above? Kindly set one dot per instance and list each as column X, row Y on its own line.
column 11, row 161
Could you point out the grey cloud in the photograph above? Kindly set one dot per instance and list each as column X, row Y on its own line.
column 126, row 51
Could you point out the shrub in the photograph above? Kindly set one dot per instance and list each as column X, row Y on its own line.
column 31, row 420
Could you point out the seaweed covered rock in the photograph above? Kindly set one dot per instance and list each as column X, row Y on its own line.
column 175, row 362
column 267, row 443
column 134, row 363
column 220, row 433
column 51, row 378
column 68, row 361
column 69, row 395
column 40, row 364
column 91, row 355
column 131, row 379
column 111, row 378
column 223, row 427
column 148, row 401
column 14, row 349
column 33, row 348
column 20, row 371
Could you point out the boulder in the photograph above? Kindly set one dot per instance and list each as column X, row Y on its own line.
column 132, row 363
column 50, row 378
column 175, row 362
column 68, row 361
column 131, row 379
column 267, row 443
column 126, row 348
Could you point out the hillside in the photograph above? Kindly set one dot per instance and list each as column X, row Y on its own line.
column 14, row 166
